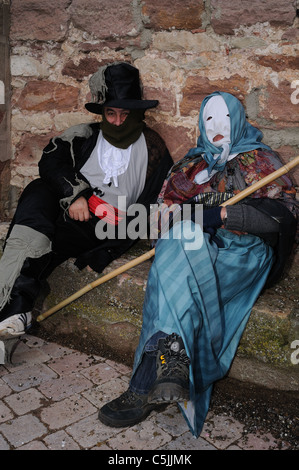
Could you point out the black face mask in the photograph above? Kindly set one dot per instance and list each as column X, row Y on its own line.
column 127, row 133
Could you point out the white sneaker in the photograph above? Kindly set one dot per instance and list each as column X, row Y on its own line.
column 15, row 325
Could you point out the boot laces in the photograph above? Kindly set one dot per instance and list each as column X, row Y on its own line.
column 173, row 362
column 128, row 397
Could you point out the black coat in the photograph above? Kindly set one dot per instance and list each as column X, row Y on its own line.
column 60, row 168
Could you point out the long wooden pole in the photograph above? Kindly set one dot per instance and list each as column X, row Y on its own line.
column 238, row 197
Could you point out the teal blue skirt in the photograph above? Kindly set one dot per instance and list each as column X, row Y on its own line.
column 205, row 294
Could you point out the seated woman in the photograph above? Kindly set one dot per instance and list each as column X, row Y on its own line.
column 198, row 301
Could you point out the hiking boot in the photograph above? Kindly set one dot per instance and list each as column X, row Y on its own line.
column 172, row 383
column 128, row 409
column 15, row 325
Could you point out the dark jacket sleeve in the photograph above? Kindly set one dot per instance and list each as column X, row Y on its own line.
column 246, row 218
column 273, row 222
column 61, row 161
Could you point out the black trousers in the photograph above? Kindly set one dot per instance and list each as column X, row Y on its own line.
column 39, row 209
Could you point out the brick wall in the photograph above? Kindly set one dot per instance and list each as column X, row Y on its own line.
column 184, row 51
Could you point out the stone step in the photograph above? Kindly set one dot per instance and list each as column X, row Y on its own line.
column 107, row 320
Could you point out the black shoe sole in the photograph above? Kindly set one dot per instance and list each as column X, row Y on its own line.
column 123, row 423
column 168, row 393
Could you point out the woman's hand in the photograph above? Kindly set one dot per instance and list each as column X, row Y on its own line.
column 223, row 213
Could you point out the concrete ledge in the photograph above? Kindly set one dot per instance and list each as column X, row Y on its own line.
column 107, row 320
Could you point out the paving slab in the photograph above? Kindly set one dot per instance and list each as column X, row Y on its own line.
column 52, row 402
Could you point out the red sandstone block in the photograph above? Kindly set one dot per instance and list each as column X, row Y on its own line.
column 169, row 14
column 230, row 15
column 46, row 96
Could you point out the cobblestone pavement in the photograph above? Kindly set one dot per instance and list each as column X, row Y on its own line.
column 50, row 396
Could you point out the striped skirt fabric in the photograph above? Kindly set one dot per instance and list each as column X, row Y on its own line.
column 205, row 294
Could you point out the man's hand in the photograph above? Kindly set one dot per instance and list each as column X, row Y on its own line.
column 79, row 210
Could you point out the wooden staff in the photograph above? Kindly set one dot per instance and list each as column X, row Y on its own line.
column 238, row 197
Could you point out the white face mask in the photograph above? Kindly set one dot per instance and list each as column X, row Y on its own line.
column 217, row 121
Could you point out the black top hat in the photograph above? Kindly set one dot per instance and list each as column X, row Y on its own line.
column 118, row 86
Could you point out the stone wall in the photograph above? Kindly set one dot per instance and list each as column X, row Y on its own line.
column 5, row 145
column 184, row 51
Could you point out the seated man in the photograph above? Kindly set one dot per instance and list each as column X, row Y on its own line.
column 88, row 166
column 198, row 300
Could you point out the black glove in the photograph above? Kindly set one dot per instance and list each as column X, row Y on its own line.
column 212, row 218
